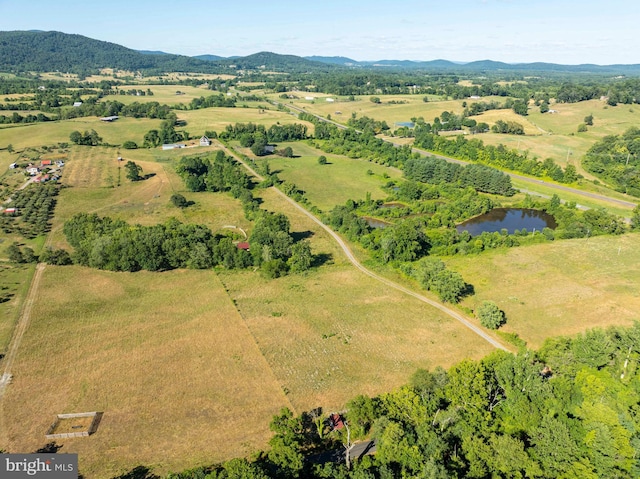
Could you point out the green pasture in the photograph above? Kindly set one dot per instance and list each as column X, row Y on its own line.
column 50, row 133
column 558, row 288
column 216, row 119
column 336, row 182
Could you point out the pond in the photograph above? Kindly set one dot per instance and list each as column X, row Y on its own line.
column 375, row 222
column 510, row 219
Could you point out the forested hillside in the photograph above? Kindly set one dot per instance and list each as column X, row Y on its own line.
column 56, row 51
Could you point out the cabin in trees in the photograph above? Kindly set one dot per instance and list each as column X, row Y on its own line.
column 243, row 245
column 204, row 141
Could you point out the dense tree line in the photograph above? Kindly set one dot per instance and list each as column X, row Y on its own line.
column 218, row 100
column 114, row 245
column 498, row 156
column 616, row 160
column 479, row 177
column 569, row 409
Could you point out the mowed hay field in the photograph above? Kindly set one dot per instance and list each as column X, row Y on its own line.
column 166, row 357
column 559, row 288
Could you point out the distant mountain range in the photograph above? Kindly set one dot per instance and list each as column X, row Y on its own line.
column 41, row 51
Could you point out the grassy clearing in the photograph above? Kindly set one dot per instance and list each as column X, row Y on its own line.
column 49, row 133
column 198, row 121
column 334, row 183
column 559, row 288
column 174, row 368
column 407, row 107
column 163, row 94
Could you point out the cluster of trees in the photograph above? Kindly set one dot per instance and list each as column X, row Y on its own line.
column 114, row 245
column 480, row 177
column 566, row 410
column 88, row 138
column 211, row 101
column 433, row 275
column 257, row 137
column 92, row 107
column 499, row 156
column 17, row 118
column 364, row 123
column 616, row 160
column 34, row 205
column 18, row 254
column 166, row 135
column 272, row 246
column 509, row 127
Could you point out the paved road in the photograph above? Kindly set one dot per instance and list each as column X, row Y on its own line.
column 568, row 189
column 347, row 251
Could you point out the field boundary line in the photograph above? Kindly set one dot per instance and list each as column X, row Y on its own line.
column 255, row 341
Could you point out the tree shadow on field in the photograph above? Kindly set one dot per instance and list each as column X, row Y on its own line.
column 49, row 448
column 148, row 175
column 301, row 235
column 321, row 259
column 138, row 472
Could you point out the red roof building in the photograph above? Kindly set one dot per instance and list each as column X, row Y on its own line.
column 243, row 245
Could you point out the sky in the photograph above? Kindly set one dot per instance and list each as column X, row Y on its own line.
column 513, row 31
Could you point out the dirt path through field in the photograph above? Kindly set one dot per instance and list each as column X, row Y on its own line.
column 21, row 327
column 347, row 251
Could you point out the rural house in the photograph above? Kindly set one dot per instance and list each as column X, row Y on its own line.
column 204, row 141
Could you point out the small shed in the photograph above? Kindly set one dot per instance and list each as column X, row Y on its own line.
column 76, row 104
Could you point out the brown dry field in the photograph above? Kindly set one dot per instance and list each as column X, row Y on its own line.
column 559, row 288
column 173, row 367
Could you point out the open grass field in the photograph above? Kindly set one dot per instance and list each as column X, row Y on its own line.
column 407, row 107
column 559, row 288
column 163, row 94
column 39, row 134
column 199, row 121
column 332, row 184
column 173, row 367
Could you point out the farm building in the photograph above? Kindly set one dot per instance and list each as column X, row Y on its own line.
column 243, row 245
column 109, row 118
column 33, row 170
column 11, row 211
column 204, row 141
column 46, row 163
column 310, row 98
column 330, row 100
column 76, row 104
column 13, row 166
